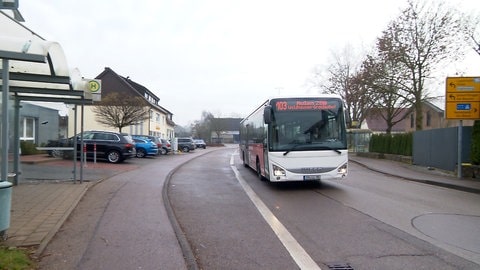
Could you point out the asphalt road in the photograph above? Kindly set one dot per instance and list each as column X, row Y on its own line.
column 366, row 221
column 121, row 222
column 227, row 229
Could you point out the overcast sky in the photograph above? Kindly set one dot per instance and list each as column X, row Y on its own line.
column 221, row 56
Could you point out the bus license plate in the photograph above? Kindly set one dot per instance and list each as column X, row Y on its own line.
column 311, row 177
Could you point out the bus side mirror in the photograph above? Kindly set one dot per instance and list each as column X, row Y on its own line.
column 267, row 114
column 348, row 120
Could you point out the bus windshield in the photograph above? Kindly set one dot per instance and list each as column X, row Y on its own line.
column 306, row 125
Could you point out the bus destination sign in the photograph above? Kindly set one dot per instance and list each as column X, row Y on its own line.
column 305, row 105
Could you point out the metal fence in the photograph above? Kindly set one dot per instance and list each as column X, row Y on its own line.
column 439, row 147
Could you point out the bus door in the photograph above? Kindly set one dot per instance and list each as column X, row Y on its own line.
column 266, row 167
column 246, row 145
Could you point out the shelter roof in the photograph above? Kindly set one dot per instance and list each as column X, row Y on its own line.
column 37, row 68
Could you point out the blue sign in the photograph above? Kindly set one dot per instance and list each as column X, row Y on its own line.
column 464, row 107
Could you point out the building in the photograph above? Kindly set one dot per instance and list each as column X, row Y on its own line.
column 160, row 120
column 38, row 124
column 226, row 130
column 433, row 118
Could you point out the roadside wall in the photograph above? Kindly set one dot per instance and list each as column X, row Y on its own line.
column 439, row 147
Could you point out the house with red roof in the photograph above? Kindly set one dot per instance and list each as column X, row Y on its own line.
column 433, row 117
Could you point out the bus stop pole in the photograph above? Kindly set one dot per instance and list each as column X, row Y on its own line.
column 5, row 186
column 83, row 154
column 74, row 144
column 4, row 142
column 16, row 141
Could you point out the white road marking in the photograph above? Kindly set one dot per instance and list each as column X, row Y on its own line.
column 298, row 254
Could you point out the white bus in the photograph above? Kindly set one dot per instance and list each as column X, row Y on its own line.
column 296, row 139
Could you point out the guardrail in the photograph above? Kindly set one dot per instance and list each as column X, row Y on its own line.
column 58, row 148
column 54, row 148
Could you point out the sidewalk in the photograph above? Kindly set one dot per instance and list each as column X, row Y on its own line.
column 39, row 209
column 418, row 174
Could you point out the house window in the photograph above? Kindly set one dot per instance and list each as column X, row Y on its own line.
column 137, row 129
column 412, row 120
column 27, row 129
column 429, row 119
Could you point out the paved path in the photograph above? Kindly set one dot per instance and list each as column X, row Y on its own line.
column 39, row 208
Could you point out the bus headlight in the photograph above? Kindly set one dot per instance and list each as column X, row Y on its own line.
column 343, row 169
column 277, row 171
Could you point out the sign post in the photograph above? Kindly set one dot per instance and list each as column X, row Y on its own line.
column 462, row 98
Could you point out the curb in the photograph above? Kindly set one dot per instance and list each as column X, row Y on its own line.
column 423, row 181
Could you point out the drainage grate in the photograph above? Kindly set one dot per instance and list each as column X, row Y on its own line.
column 339, row 266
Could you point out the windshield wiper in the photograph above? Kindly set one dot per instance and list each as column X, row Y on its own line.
column 291, row 149
column 322, row 148
column 331, row 148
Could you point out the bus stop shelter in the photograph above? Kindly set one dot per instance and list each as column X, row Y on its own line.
column 33, row 69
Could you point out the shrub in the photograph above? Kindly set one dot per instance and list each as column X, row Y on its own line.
column 398, row 144
column 28, row 148
column 475, row 144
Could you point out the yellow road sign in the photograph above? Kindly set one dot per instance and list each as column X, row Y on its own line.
column 462, row 98
column 463, row 84
column 463, row 110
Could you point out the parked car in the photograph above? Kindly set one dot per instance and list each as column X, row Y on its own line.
column 112, row 146
column 166, row 147
column 199, row 143
column 154, row 139
column 186, row 144
column 145, row 147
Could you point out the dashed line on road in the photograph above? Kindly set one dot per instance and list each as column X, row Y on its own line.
column 298, row 254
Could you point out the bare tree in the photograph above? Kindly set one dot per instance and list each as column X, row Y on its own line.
column 383, row 77
column 217, row 125
column 202, row 128
column 120, row 111
column 340, row 78
column 424, row 36
column 477, row 45
column 359, row 99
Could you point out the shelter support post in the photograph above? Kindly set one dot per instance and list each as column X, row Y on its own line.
column 74, row 144
column 5, row 186
column 16, row 142
column 4, row 137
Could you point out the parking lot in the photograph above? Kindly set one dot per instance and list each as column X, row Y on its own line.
column 42, row 168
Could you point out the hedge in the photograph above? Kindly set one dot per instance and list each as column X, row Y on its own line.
column 28, row 148
column 398, row 144
column 475, row 144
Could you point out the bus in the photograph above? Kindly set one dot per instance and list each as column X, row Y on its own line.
column 296, row 139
